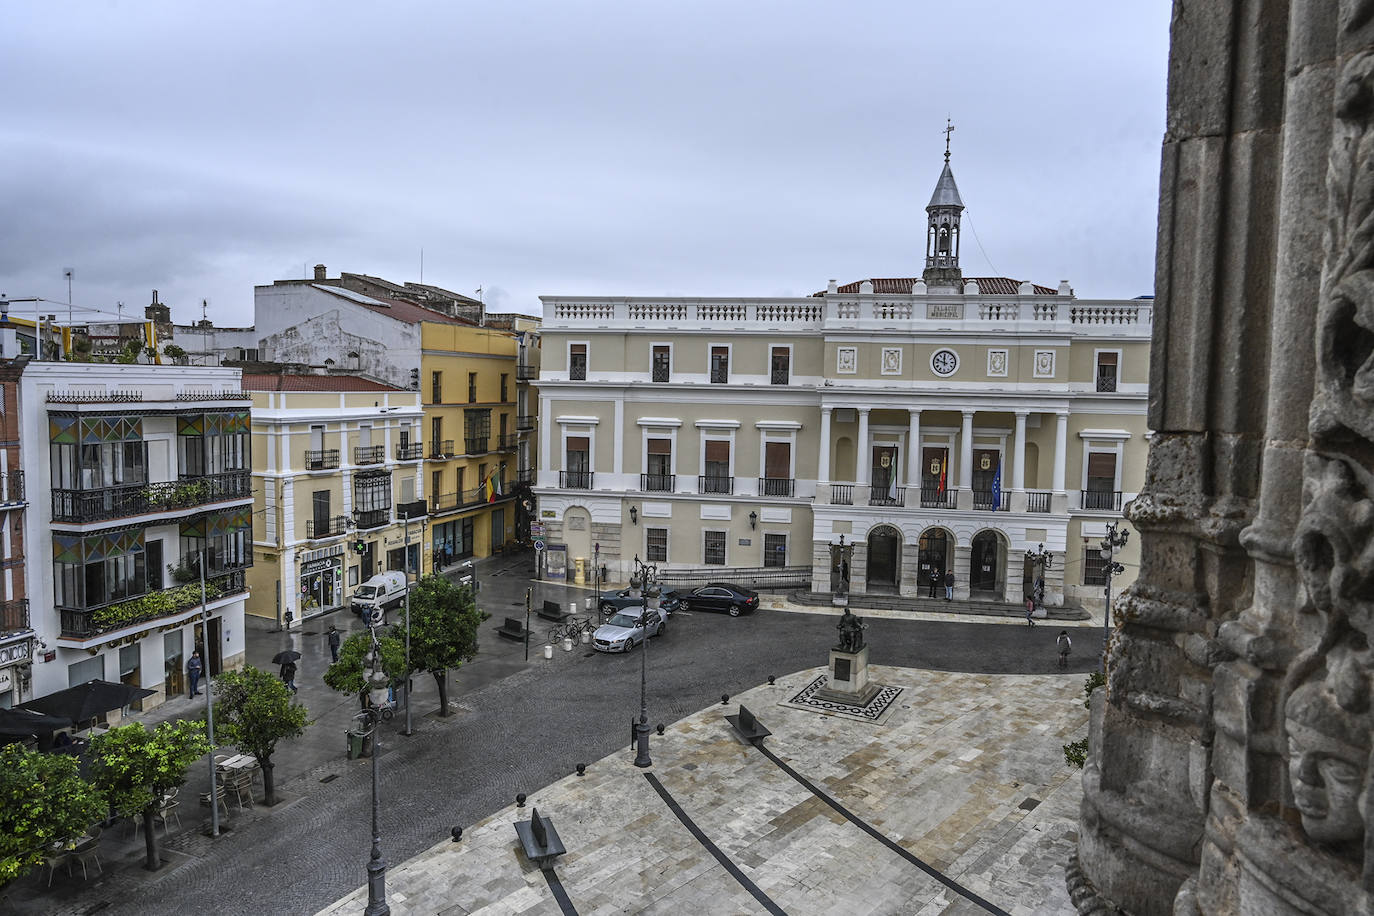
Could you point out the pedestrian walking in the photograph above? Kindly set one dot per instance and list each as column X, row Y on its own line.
column 934, row 581
column 1030, row 611
column 949, row 586
column 1065, row 647
column 334, row 640
column 194, row 668
column 288, row 674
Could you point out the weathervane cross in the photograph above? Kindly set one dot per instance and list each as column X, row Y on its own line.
column 949, row 129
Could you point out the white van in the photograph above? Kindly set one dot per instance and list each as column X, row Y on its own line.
column 383, row 592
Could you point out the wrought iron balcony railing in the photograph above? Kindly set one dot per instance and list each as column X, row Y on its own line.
column 441, row 448
column 524, row 422
column 526, row 373
column 411, row 451
column 14, row 615
column 887, row 496
column 85, row 622
column 575, row 480
column 11, row 488
column 369, row 454
column 713, row 484
column 326, row 527
column 657, row 483
column 936, row 498
column 984, row 500
column 321, row 459
column 1102, row 499
column 372, row 518
column 143, row 498
column 508, row 443
column 476, row 445
column 777, row 486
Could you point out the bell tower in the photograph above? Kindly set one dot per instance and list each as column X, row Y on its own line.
column 942, row 271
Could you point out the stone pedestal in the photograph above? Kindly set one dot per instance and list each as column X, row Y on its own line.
column 848, row 678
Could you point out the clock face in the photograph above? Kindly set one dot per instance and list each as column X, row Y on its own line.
column 944, row 362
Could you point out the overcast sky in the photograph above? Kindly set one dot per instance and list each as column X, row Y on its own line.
column 738, row 148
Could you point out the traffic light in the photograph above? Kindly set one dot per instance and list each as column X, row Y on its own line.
column 360, row 547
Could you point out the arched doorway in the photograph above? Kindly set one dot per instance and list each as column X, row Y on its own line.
column 934, row 560
column 884, row 546
column 985, row 562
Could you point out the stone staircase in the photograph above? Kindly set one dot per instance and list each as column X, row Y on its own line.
column 982, row 608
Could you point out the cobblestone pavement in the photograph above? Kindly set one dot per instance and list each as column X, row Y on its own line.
column 515, row 727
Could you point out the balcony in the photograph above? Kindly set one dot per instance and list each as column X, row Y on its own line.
column 657, row 483
column 525, row 475
column 476, row 445
column 410, row 451
column 777, row 486
column 947, row 498
column 575, row 480
column 14, row 615
column 1106, row 381
column 321, row 459
column 85, row 622
column 325, row 527
column 444, row 502
column 143, row 498
column 1037, row 501
column 524, row 422
column 986, row 501
column 369, row 454
column 441, row 448
column 11, row 488
column 778, row 376
column 508, row 443
column 841, row 494
column 887, row 496
column 1109, row 500
column 526, row 373
column 372, row 518
column 712, row 484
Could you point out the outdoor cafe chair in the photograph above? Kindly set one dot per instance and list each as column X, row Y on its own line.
column 240, row 782
column 167, row 809
column 219, row 798
column 55, row 859
column 86, row 850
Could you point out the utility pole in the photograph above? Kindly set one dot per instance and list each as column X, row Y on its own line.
column 409, row 586
column 209, row 706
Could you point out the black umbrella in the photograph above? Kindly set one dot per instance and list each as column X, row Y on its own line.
column 85, row 702
column 25, row 722
column 284, row 656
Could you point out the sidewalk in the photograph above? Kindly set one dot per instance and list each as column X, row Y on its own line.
column 967, row 775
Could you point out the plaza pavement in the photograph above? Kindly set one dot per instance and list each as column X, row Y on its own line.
column 967, row 773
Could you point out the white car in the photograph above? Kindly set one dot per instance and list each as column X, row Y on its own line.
column 622, row 632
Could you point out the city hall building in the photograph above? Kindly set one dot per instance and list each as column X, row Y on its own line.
column 889, row 430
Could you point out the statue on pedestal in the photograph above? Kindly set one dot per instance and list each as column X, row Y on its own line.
column 851, row 632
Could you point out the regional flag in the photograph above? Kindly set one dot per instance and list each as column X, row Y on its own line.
column 997, row 485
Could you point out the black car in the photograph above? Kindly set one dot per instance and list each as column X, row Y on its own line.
column 611, row 602
column 719, row 596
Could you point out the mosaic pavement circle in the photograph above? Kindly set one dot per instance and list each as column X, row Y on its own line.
column 875, row 711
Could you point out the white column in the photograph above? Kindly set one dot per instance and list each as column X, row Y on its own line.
column 546, row 432
column 1061, row 445
column 618, row 460
column 823, row 461
column 1018, row 467
column 966, row 453
column 863, row 460
column 913, row 452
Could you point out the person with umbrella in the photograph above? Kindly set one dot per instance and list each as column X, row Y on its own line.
column 193, row 669
column 287, row 659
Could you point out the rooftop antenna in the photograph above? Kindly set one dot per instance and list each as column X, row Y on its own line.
column 422, row 264
column 119, row 313
column 949, row 129
column 67, row 272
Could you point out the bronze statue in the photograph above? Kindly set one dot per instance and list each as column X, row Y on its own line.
column 851, row 632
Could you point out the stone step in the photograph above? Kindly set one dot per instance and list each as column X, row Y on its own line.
column 938, row 605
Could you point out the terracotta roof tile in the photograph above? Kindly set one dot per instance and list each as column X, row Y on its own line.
column 989, row 286
column 276, row 381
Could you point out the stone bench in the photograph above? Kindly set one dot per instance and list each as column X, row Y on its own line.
column 513, row 628
column 552, row 610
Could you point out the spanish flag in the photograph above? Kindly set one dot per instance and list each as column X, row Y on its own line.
column 944, row 462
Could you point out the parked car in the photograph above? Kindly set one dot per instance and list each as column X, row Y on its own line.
column 720, row 596
column 613, row 601
column 622, row 632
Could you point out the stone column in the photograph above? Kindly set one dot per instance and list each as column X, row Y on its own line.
column 1018, row 464
column 863, row 456
column 965, row 497
column 1014, row 584
column 963, row 564
column 820, row 567
column 858, row 568
column 823, row 458
column 1059, row 499
column 913, row 459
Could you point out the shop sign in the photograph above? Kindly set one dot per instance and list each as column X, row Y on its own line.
column 315, row 566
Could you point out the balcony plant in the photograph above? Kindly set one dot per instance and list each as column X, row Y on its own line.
column 154, row 604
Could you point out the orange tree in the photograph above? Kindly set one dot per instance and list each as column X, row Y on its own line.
column 43, row 800
column 443, row 630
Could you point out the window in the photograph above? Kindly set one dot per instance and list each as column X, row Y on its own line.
column 656, row 545
column 578, row 463
column 1106, row 371
column 777, row 469
column 476, row 430
column 662, row 362
column 717, row 477
column 1100, row 491
column 577, row 362
column 472, row 387
column 436, row 436
column 659, row 471
column 320, row 506
column 461, row 474
column 436, row 478
column 436, row 388
column 713, row 548
column 780, row 366
column 505, row 422
column 372, row 492
column 504, row 391
column 775, row 550
column 1094, row 567
column 720, row 365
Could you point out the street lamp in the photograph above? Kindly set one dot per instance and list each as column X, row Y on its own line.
column 1042, row 559
column 644, row 580
column 370, row 717
column 1114, row 541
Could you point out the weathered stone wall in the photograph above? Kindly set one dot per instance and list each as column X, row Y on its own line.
column 1230, row 765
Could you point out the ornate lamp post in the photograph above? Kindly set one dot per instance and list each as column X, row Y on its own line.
column 1114, row 541
column 1042, row 559
column 370, row 717
column 644, row 580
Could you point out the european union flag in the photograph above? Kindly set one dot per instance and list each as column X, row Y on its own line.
column 997, row 486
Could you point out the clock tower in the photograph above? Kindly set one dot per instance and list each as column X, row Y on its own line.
column 942, row 273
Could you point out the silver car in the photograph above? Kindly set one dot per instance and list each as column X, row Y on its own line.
column 622, row 632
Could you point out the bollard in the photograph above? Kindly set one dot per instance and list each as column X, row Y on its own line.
column 724, row 698
column 770, row 680
column 567, row 643
column 581, row 769
column 586, row 637
column 661, row 726
column 520, row 800
column 456, row 833
column 548, row 650
column 572, row 608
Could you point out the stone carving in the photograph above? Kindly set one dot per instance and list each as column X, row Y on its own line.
column 1334, row 546
column 892, row 360
column 1044, row 363
column 997, row 362
column 847, row 360
column 1328, row 755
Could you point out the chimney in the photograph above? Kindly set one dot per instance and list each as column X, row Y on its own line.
column 154, row 297
column 319, row 272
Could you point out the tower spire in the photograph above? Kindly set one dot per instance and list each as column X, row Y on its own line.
column 942, row 229
column 949, row 129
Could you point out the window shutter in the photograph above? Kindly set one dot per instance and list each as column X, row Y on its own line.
column 777, row 460
column 1106, row 359
column 718, row 450
column 1102, row 465
column 660, row 446
column 579, row 443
